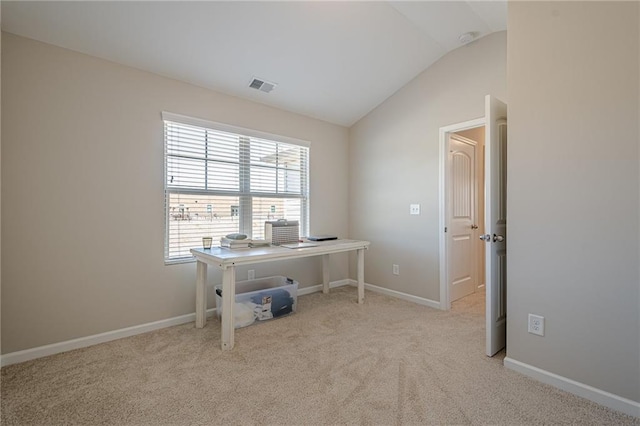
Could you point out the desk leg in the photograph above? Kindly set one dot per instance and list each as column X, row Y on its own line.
column 228, row 305
column 360, row 275
column 325, row 273
column 201, row 294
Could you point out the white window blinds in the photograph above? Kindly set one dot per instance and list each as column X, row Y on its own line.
column 219, row 181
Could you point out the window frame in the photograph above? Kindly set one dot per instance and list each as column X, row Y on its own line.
column 245, row 196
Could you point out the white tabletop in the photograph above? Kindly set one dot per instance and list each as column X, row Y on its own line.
column 224, row 257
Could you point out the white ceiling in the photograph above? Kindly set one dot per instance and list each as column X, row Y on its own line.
column 334, row 61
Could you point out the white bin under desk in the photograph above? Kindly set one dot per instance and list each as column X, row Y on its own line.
column 227, row 260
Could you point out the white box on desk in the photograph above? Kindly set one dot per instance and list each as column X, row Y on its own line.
column 282, row 231
column 261, row 299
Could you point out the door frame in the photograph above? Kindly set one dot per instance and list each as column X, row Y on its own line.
column 445, row 302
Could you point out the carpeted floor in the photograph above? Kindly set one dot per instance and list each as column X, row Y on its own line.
column 387, row 362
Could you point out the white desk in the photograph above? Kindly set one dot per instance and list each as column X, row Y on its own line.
column 227, row 260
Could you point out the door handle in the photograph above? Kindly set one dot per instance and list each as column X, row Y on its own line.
column 474, row 226
column 486, row 238
column 498, row 238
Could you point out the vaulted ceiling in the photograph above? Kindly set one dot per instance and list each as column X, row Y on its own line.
column 334, row 61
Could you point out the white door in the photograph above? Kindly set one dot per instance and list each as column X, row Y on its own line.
column 462, row 216
column 495, row 235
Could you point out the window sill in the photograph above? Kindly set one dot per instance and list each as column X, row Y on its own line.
column 179, row 261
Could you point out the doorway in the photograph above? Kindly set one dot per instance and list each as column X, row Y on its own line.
column 495, row 222
column 465, row 212
column 462, row 265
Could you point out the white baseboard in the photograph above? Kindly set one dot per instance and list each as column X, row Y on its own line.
column 374, row 288
column 317, row 288
column 399, row 295
column 83, row 342
column 598, row 396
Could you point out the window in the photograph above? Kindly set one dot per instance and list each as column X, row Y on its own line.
column 221, row 179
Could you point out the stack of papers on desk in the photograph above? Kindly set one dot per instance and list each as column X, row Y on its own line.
column 298, row 245
column 234, row 244
column 241, row 244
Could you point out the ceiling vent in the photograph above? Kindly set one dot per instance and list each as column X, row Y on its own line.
column 262, row 85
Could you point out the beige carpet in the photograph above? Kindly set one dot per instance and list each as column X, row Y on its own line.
column 388, row 362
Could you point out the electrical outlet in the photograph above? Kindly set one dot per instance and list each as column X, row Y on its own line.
column 396, row 269
column 414, row 208
column 251, row 274
column 536, row 324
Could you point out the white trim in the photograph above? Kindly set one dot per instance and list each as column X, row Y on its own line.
column 399, row 295
column 317, row 288
column 445, row 303
column 183, row 119
column 615, row 402
column 387, row 292
column 83, row 342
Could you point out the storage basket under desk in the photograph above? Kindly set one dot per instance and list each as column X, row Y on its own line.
column 261, row 299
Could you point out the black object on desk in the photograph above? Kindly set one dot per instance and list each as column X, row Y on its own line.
column 322, row 237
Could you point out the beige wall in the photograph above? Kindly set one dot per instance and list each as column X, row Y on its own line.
column 83, row 132
column 476, row 134
column 394, row 163
column 573, row 184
